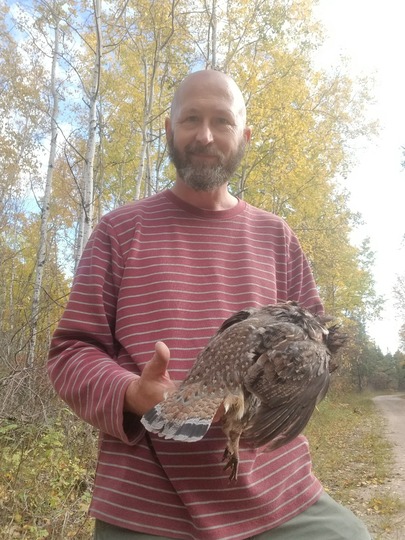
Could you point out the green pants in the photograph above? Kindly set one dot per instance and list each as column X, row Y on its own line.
column 324, row 520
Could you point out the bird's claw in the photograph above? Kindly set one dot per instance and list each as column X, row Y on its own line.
column 232, row 463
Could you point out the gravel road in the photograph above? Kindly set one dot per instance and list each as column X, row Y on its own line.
column 393, row 410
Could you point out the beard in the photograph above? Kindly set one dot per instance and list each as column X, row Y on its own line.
column 205, row 177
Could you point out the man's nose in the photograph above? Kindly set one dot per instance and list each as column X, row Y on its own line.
column 204, row 133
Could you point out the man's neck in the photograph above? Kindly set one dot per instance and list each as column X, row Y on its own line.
column 218, row 199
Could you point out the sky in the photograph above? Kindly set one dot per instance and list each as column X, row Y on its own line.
column 371, row 35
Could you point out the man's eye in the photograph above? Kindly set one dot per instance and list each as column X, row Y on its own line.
column 223, row 121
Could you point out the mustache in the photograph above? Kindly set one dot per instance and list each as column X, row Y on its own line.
column 203, row 150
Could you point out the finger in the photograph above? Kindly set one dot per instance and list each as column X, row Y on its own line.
column 162, row 352
column 157, row 366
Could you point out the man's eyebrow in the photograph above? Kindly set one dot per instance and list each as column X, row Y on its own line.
column 215, row 111
column 188, row 110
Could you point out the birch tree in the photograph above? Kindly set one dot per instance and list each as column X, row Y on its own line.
column 28, row 121
column 21, row 127
column 154, row 54
column 92, row 94
column 53, row 17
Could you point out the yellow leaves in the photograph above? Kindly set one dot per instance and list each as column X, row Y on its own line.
column 384, row 505
column 369, row 482
column 376, row 505
column 302, row 119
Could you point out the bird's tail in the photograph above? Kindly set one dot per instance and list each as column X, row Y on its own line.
column 182, row 416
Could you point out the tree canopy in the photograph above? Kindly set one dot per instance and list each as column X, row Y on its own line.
column 116, row 67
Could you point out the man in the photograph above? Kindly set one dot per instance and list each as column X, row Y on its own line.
column 161, row 275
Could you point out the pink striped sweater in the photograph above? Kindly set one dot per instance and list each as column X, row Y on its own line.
column 160, row 269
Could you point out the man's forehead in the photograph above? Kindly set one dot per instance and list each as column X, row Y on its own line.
column 209, row 87
column 205, row 106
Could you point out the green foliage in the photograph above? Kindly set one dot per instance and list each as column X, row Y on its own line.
column 46, row 479
column 399, row 295
column 398, row 360
column 364, row 366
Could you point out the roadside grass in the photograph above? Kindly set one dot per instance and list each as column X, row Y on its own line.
column 353, row 459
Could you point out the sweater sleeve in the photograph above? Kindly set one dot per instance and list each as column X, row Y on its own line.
column 300, row 280
column 82, row 364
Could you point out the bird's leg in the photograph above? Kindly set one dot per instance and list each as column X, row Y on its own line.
column 231, row 454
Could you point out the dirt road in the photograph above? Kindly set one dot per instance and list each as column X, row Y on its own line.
column 393, row 409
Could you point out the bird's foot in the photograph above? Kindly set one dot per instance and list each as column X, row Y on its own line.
column 231, row 463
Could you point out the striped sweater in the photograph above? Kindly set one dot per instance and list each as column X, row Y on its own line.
column 160, row 269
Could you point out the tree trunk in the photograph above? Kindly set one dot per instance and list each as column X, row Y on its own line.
column 86, row 221
column 42, row 250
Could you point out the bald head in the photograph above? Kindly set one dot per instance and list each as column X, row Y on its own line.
column 210, row 83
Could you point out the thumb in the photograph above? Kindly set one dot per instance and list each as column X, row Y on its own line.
column 157, row 366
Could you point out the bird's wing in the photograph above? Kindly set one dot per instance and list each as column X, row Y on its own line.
column 289, row 381
column 236, row 318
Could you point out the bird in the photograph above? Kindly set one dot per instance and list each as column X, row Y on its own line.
column 265, row 368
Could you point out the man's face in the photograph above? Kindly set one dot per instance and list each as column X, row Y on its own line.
column 206, row 135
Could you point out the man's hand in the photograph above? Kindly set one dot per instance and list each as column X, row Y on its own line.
column 152, row 386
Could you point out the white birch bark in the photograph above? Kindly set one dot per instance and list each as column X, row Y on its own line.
column 148, row 103
column 87, row 210
column 42, row 250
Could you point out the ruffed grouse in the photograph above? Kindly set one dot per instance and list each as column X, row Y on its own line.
column 269, row 367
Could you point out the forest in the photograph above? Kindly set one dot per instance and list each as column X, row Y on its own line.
column 84, row 91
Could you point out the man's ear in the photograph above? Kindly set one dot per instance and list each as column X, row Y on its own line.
column 247, row 133
column 168, row 127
